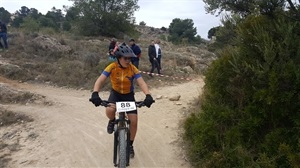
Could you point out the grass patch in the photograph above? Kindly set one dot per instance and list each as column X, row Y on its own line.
column 9, row 118
column 9, row 95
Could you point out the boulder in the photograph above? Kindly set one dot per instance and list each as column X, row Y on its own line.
column 50, row 43
column 174, row 98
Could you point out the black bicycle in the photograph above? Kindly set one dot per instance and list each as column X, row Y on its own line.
column 121, row 131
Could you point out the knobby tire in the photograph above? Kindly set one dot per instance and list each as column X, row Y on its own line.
column 122, row 148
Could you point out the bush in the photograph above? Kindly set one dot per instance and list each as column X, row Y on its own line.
column 250, row 113
column 8, row 118
column 142, row 23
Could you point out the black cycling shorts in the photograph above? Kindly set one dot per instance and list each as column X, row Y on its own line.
column 116, row 97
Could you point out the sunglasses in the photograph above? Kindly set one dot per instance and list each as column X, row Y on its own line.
column 126, row 58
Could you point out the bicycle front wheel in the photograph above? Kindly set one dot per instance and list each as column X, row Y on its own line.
column 122, row 148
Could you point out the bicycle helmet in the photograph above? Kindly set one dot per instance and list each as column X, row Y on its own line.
column 124, row 51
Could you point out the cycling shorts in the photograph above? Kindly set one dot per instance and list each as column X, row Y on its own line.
column 116, row 97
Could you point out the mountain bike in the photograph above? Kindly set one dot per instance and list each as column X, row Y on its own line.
column 121, row 131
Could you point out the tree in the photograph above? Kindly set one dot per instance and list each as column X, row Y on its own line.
column 30, row 25
column 24, row 11
column 212, row 32
column 56, row 16
column 20, row 15
column 163, row 28
column 142, row 23
column 180, row 29
column 104, row 17
column 66, row 26
column 34, row 13
column 4, row 15
column 247, row 7
column 47, row 22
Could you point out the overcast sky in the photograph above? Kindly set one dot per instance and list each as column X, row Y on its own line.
column 155, row 13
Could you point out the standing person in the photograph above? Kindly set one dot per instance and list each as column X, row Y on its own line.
column 111, row 48
column 122, row 73
column 137, row 51
column 152, row 58
column 158, row 53
column 3, row 35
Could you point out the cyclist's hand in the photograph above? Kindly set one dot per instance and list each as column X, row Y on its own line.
column 148, row 100
column 95, row 99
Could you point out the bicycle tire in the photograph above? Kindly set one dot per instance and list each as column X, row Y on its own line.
column 122, row 148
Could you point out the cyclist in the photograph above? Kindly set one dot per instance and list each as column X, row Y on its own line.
column 122, row 74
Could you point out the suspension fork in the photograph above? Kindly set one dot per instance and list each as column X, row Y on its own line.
column 116, row 136
column 128, row 142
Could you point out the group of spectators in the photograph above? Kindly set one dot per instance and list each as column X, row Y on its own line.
column 154, row 53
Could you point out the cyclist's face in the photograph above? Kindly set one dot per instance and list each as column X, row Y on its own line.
column 125, row 61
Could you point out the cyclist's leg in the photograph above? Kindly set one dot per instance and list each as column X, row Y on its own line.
column 110, row 112
column 133, row 125
column 133, row 117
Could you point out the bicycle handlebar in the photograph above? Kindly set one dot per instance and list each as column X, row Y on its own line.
column 106, row 103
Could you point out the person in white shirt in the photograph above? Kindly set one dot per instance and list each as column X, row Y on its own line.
column 158, row 53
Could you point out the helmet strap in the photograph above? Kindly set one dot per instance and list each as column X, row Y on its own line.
column 120, row 63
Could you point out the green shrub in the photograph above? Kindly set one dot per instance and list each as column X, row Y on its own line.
column 250, row 113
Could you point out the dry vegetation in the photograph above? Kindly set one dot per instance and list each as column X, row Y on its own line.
column 73, row 61
column 66, row 60
column 8, row 142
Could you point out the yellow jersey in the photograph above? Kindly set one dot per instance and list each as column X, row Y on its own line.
column 122, row 78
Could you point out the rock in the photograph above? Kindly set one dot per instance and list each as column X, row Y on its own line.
column 159, row 97
column 50, row 43
column 174, row 98
column 178, row 103
column 188, row 69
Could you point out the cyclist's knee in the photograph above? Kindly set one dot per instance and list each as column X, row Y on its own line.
column 110, row 112
column 133, row 119
column 133, row 123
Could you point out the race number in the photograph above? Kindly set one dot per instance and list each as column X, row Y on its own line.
column 125, row 106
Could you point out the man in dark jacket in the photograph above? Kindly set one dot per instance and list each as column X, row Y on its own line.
column 152, row 58
column 3, row 35
column 137, row 51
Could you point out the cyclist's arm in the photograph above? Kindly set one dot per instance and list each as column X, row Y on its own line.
column 143, row 85
column 99, row 83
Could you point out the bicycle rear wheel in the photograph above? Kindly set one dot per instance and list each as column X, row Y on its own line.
column 122, row 148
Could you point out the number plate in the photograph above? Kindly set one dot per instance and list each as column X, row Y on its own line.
column 125, row 106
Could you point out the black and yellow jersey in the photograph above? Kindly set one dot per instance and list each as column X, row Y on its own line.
column 122, row 78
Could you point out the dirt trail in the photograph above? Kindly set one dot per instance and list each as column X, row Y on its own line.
column 72, row 132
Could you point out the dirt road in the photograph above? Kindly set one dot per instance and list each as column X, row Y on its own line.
column 72, row 132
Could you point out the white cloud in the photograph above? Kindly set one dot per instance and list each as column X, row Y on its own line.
column 156, row 13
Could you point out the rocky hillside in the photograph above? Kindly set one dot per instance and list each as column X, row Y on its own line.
column 75, row 61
